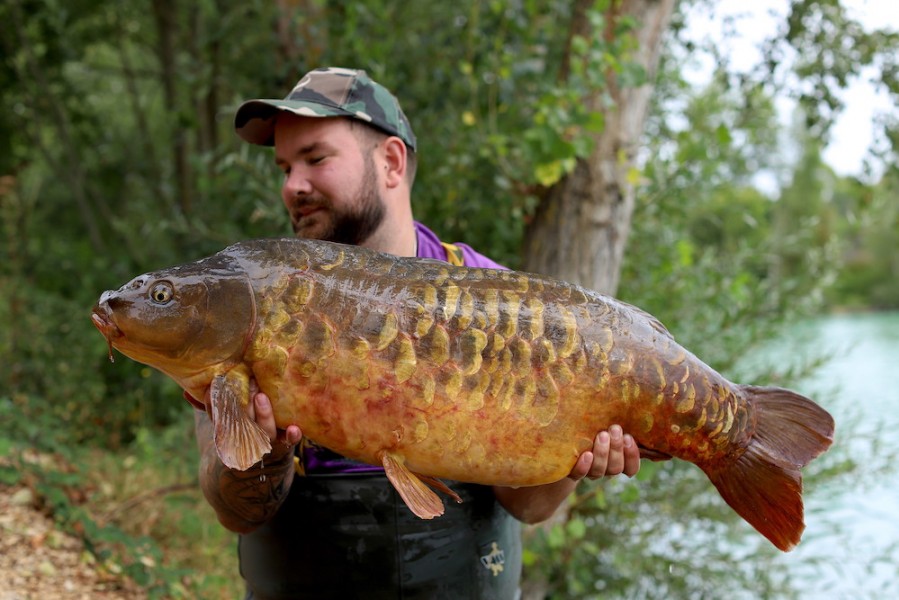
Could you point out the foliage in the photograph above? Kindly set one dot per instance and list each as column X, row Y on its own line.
column 831, row 48
column 140, row 514
column 64, row 491
column 154, row 480
column 666, row 535
column 868, row 219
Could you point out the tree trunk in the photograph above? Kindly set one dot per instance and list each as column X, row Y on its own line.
column 144, row 139
column 581, row 225
column 205, row 95
column 164, row 12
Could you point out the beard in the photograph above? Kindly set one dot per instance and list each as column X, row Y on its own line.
column 355, row 223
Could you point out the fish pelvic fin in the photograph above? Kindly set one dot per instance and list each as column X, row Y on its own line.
column 420, row 499
column 239, row 441
column 764, row 485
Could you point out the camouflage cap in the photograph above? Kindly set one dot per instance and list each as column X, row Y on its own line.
column 327, row 92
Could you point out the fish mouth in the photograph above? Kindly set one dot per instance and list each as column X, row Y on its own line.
column 102, row 320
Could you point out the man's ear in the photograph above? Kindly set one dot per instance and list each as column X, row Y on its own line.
column 394, row 161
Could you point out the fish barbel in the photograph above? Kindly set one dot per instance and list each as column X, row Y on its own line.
column 435, row 371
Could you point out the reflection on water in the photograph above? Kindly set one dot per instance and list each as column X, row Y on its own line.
column 851, row 544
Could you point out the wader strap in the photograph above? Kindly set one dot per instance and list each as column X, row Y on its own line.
column 454, row 254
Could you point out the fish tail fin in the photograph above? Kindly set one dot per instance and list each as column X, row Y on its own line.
column 764, row 485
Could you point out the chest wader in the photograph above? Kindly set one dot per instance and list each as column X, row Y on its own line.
column 351, row 536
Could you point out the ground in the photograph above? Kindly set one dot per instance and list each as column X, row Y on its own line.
column 38, row 561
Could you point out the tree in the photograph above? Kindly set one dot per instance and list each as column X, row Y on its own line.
column 581, row 225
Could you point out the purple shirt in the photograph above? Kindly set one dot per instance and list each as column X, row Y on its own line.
column 429, row 246
column 318, row 460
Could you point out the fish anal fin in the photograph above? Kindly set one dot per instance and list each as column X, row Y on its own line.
column 239, row 441
column 420, row 499
column 439, row 486
column 764, row 485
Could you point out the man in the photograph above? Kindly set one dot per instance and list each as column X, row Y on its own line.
column 347, row 152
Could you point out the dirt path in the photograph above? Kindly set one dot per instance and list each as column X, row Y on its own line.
column 40, row 562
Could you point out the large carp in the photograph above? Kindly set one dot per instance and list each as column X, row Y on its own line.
column 435, row 371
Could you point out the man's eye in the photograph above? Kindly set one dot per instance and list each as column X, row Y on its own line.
column 162, row 293
column 316, row 159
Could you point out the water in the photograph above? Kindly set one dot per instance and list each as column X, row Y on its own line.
column 851, row 545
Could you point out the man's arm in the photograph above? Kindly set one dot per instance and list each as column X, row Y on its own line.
column 613, row 453
column 244, row 500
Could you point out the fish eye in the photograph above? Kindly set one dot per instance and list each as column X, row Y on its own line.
column 162, row 293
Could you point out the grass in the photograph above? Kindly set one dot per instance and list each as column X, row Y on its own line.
column 150, row 491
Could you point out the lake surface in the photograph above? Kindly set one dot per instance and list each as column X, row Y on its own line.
column 851, row 544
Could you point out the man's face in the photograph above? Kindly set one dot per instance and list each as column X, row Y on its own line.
column 330, row 186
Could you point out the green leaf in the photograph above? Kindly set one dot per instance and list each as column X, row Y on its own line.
column 9, row 476
column 685, row 252
column 6, row 446
column 630, row 493
column 633, row 175
column 548, row 174
column 722, row 133
column 576, row 528
column 595, row 123
column 556, row 537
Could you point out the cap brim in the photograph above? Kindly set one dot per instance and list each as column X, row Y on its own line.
column 255, row 119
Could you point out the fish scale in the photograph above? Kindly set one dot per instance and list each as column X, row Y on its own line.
column 435, row 371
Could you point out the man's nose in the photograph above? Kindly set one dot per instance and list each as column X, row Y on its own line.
column 297, row 183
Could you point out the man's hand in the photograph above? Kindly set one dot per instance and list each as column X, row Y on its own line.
column 613, row 453
column 260, row 410
column 243, row 500
column 283, row 441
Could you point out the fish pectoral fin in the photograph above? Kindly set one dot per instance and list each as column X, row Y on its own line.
column 420, row 499
column 239, row 441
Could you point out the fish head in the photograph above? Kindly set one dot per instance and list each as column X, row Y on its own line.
column 186, row 321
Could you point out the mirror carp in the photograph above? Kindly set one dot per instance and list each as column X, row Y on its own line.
column 437, row 371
